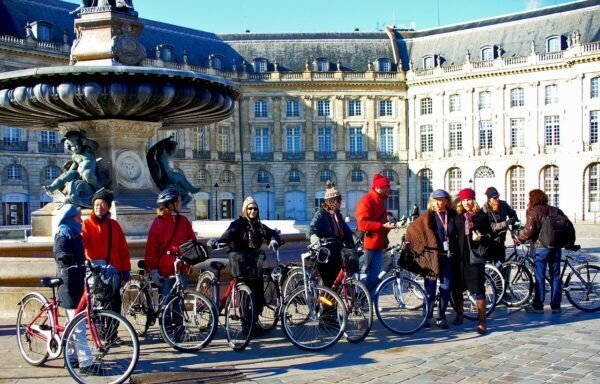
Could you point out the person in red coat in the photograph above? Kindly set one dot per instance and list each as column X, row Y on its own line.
column 371, row 217
column 169, row 229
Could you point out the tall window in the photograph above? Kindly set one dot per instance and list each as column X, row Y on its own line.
column 594, row 187
column 551, row 186
column 485, row 100
column 384, row 65
column 262, row 177
column 323, row 108
column 48, row 138
column 550, row 94
column 594, row 118
column 324, row 140
column 43, row 32
column 325, row 175
column 294, row 176
column 390, row 174
column 261, row 108
column 455, row 136
column 14, row 172
column 217, row 62
column 517, row 97
column 224, row 142
column 426, row 138
column 428, row 62
column 260, row 65
column 292, row 108
column 553, row 44
column 354, row 107
column 426, row 106
column 386, row 140
column 517, row 133
column 11, row 135
column 485, row 134
column 454, row 180
column 424, row 182
column 357, row 176
column 455, row 103
column 356, row 140
column 322, row 65
column 595, row 88
column 202, row 138
column 552, row 130
column 385, row 108
column 293, row 140
column 261, row 140
column 487, row 53
column 517, row 187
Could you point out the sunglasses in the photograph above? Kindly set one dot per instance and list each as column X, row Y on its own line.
column 252, row 209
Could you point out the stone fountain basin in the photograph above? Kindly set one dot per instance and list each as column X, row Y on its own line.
column 41, row 98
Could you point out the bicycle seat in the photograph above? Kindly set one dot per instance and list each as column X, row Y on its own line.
column 217, row 265
column 574, row 247
column 51, row 282
column 141, row 264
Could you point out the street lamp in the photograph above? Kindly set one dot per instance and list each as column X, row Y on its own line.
column 216, row 201
column 268, row 186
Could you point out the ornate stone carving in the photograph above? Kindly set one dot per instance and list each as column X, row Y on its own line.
column 131, row 171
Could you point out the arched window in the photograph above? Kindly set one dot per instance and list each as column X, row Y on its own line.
column 325, row 175
column 487, row 53
column 384, row 65
column 357, row 176
column 217, row 62
column 262, row 177
column 390, row 174
column 260, row 65
column 227, row 177
column 424, row 186
column 553, row 44
column 14, row 172
column 593, row 187
column 51, row 172
column 202, row 177
column 550, row 183
column 322, row 65
column 454, row 178
column 428, row 62
column 516, row 183
column 294, row 176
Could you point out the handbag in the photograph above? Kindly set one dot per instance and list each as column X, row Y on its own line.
column 476, row 257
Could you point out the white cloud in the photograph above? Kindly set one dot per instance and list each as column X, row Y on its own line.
column 532, row 4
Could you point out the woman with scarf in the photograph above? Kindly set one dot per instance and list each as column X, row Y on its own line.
column 245, row 237
column 473, row 228
column 328, row 223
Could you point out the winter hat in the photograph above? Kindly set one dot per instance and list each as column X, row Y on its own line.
column 466, row 193
column 380, row 181
column 440, row 194
column 249, row 200
column 491, row 192
column 331, row 192
column 65, row 222
column 104, row 194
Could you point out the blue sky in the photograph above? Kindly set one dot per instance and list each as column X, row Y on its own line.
column 265, row 16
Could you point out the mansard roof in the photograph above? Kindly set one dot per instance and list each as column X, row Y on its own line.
column 15, row 14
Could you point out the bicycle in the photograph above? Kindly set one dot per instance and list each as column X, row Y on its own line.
column 187, row 319
column 313, row 316
column 238, row 304
column 499, row 280
column 99, row 345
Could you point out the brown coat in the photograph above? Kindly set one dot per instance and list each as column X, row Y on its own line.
column 423, row 242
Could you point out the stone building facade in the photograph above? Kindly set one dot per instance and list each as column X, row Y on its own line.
column 510, row 101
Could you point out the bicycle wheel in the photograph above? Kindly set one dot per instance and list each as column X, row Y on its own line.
column 401, row 305
column 499, row 281
column 519, row 284
column 582, row 290
column 294, row 279
column 106, row 350
column 268, row 317
column 34, row 325
column 189, row 321
column 205, row 284
column 315, row 322
column 469, row 302
column 359, row 307
column 240, row 315
column 137, row 307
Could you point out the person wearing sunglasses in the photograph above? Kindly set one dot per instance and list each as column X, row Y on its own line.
column 501, row 216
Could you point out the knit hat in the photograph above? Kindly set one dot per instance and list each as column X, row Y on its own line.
column 440, row 194
column 380, row 181
column 331, row 192
column 491, row 192
column 104, row 194
column 249, row 200
column 65, row 222
column 466, row 193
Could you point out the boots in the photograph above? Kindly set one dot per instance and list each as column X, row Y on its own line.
column 481, row 314
column 460, row 302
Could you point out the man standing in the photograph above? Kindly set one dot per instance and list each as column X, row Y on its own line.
column 501, row 216
column 371, row 217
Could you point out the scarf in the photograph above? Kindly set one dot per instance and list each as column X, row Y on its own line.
column 468, row 222
column 69, row 228
column 256, row 233
column 337, row 227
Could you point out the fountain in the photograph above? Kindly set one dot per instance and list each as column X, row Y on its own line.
column 107, row 106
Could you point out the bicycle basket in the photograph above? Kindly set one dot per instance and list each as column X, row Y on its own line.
column 106, row 284
column 192, row 252
column 246, row 265
column 406, row 259
column 350, row 258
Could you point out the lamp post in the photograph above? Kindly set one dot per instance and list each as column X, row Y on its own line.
column 268, row 186
column 216, row 201
column 398, row 197
column 556, row 191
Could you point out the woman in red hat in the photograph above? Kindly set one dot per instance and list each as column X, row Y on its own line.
column 473, row 229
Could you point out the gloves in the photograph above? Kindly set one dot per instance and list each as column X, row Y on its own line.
column 314, row 240
column 511, row 221
column 156, row 278
column 212, row 243
column 273, row 245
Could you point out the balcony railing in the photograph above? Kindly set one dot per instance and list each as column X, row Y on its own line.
column 261, row 156
column 293, row 155
column 16, row 146
column 50, row 148
column 202, row 155
column 226, row 156
column 387, row 156
column 356, row 155
column 325, row 155
column 179, row 153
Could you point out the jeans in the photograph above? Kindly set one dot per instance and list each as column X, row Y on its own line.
column 374, row 258
column 445, row 288
column 163, row 292
column 550, row 257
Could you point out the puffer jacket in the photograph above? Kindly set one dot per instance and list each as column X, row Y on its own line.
column 95, row 242
column 370, row 217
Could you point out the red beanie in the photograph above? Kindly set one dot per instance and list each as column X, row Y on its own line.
column 380, row 181
column 466, row 193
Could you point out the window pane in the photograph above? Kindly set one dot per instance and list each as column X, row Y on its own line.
column 553, row 44
column 426, row 106
column 354, row 108
column 293, row 142
column 517, row 133
column 455, row 103
column 425, row 178
column 356, row 140
column 386, row 141
column 551, row 94
column 385, row 108
column 595, row 91
column 517, row 97
column 261, row 109
column 552, row 128
column 325, row 175
column 455, row 136
column 485, row 100
column 262, row 140
column 454, row 180
column 485, row 134
column 323, row 108
column 594, row 116
column 324, row 140
column 427, row 138
column 292, row 108
column 517, row 188
column 487, row 54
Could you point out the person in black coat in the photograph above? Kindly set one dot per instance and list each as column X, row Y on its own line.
column 473, row 227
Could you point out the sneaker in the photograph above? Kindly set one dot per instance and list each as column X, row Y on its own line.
column 532, row 309
column 442, row 324
column 557, row 310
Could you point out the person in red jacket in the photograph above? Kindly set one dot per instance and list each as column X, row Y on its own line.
column 169, row 229
column 104, row 241
column 371, row 217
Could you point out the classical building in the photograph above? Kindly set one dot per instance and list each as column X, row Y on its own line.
column 511, row 101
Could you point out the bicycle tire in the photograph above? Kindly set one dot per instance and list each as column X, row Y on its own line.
column 324, row 328
column 136, row 307
column 359, row 307
column 269, row 315
column 32, row 342
column 116, row 358
column 401, row 305
column 519, row 284
column 469, row 302
column 191, row 325
column 205, row 284
column 240, row 317
column 499, row 280
column 586, row 291
column 293, row 280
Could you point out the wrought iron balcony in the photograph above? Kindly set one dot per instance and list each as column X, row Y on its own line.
column 226, row 156
column 16, row 146
column 202, row 155
column 293, row 155
column 325, row 155
column 50, row 148
column 356, row 155
column 261, row 156
column 387, row 156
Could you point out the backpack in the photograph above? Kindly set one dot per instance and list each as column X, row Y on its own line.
column 556, row 230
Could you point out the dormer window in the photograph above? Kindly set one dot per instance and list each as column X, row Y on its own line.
column 487, row 53
column 260, row 65
column 428, row 62
column 553, row 43
column 166, row 52
column 384, row 65
column 42, row 30
column 322, row 65
column 217, row 62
